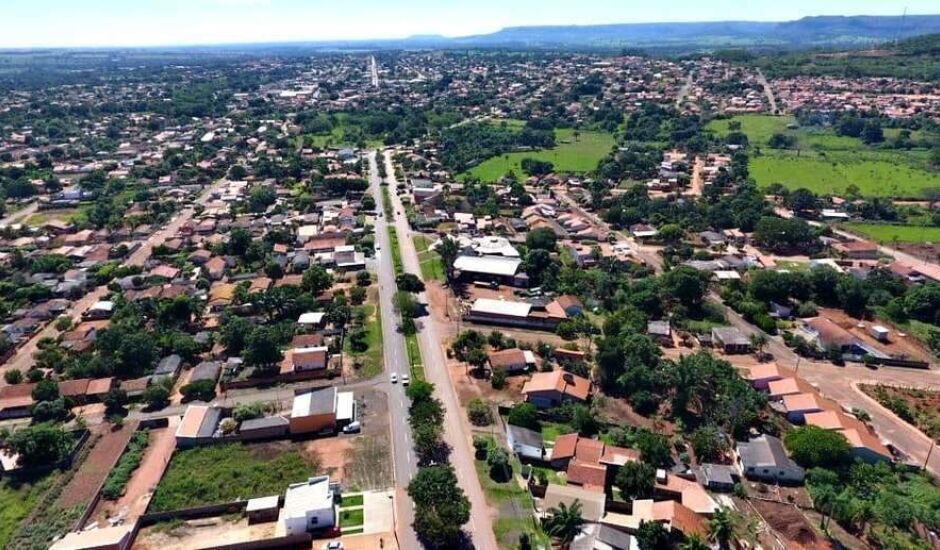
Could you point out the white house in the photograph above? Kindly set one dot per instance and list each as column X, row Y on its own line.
column 308, row 506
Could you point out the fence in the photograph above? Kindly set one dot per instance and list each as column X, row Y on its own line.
column 210, row 510
column 300, row 540
column 279, row 379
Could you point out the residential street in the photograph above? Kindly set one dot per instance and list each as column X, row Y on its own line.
column 457, row 433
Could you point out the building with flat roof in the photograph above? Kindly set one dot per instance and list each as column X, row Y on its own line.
column 322, row 410
column 118, row 537
column 308, row 506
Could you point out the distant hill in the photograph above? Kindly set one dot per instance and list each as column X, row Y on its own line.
column 826, row 31
column 916, row 58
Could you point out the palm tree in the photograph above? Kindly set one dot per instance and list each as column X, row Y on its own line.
column 727, row 525
column 721, row 527
column 758, row 341
column 694, row 542
column 564, row 522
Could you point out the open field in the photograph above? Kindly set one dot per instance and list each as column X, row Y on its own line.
column 64, row 214
column 888, row 233
column 874, row 174
column 569, row 155
column 432, row 268
column 223, row 473
column 17, row 500
column 827, row 163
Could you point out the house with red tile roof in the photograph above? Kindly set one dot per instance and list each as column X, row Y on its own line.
column 551, row 389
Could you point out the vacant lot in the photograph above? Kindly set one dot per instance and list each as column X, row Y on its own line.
column 888, row 234
column 827, row 163
column 874, row 175
column 17, row 500
column 224, row 473
column 93, row 471
column 570, row 155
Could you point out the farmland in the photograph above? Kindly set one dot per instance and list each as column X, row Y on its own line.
column 887, row 233
column 826, row 163
column 570, row 155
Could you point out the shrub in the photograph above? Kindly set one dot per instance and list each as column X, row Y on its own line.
column 117, row 480
column 498, row 379
column 13, row 376
column 479, row 412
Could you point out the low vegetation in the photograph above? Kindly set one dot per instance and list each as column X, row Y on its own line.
column 117, row 480
column 224, row 473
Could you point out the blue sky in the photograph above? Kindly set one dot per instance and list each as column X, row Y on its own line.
column 28, row 23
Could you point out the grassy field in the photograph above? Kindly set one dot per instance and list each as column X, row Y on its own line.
column 224, row 473
column 64, row 214
column 17, row 500
column 372, row 359
column 570, row 155
column 827, row 163
column 432, row 268
column 887, row 234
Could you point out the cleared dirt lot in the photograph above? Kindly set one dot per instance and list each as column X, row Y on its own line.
column 205, row 533
column 897, row 346
column 93, row 471
column 145, row 479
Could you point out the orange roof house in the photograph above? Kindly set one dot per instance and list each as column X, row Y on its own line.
column 550, row 389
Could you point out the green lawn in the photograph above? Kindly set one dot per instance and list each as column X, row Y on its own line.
column 224, row 473
column 570, row 155
column 351, row 518
column 373, row 358
column 432, row 268
column 887, row 234
column 551, row 431
column 17, row 500
column 351, row 501
column 827, row 163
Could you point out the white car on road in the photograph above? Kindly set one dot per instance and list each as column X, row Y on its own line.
column 405, row 380
column 394, row 378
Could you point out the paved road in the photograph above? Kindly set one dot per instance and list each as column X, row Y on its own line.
column 840, row 385
column 374, row 72
column 23, row 358
column 456, row 433
column 396, row 361
column 768, row 91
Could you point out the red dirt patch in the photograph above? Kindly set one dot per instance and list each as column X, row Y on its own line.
column 790, row 523
column 93, row 471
